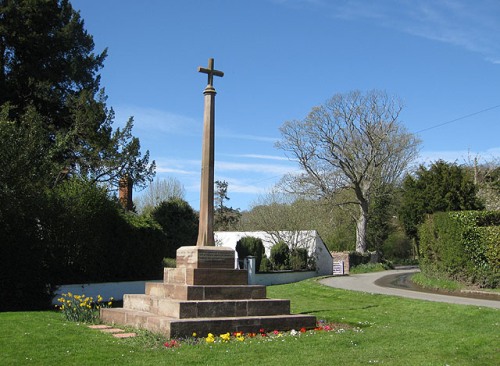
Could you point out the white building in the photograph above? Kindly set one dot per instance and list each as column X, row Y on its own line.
column 308, row 239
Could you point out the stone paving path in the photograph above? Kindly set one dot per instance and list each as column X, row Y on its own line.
column 116, row 332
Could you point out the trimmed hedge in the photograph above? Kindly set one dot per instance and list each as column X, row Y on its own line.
column 463, row 246
column 280, row 256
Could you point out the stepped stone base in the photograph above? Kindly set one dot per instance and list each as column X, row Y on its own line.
column 172, row 327
column 205, row 294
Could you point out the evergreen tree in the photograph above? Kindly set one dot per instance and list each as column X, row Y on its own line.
column 47, row 63
column 179, row 221
column 441, row 187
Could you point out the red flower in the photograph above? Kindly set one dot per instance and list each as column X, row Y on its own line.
column 173, row 343
column 302, row 330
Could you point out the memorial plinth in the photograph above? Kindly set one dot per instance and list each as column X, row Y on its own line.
column 205, row 294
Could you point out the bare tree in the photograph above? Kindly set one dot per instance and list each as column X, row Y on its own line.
column 160, row 190
column 353, row 142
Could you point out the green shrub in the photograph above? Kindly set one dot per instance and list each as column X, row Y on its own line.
column 265, row 265
column 87, row 237
column 368, row 268
column 458, row 245
column 299, row 259
column 356, row 258
column 280, row 256
column 251, row 246
column 179, row 222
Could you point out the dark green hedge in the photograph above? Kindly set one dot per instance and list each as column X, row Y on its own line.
column 250, row 246
column 463, row 246
column 74, row 233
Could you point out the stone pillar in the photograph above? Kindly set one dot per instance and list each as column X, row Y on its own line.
column 206, row 225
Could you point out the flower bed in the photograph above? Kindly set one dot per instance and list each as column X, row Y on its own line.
column 262, row 335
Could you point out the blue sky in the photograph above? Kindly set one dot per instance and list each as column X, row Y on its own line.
column 283, row 57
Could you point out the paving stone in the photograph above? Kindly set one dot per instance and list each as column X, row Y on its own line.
column 124, row 335
column 99, row 326
column 112, row 330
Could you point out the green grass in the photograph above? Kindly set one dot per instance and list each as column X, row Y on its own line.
column 436, row 283
column 368, row 268
column 394, row 331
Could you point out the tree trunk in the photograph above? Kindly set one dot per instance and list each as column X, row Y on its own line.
column 361, row 228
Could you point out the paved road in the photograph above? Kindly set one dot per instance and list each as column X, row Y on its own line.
column 366, row 283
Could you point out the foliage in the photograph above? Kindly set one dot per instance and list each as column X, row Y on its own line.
column 251, row 246
column 436, row 283
column 47, row 64
column 356, row 258
column 81, row 308
column 225, row 218
column 56, row 142
column 369, row 268
column 441, row 187
column 280, row 256
column 398, row 247
column 299, row 259
column 380, row 221
column 88, row 237
column 353, row 142
column 179, row 222
column 24, row 175
column 462, row 246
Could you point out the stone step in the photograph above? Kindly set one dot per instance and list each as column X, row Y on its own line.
column 184, row 309
column 205, row 276
column 171, row 327
column 210, row 292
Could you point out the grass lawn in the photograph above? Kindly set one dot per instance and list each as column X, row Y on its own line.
column 391, row 331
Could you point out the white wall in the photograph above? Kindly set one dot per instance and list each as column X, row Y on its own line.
column 116, row 290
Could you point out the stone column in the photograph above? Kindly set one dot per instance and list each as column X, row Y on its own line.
column 206, row 224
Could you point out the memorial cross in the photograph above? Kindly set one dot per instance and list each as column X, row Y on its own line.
column 210, row 71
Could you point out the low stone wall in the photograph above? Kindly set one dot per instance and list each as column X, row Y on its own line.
column 274, row 278
column 116, row 290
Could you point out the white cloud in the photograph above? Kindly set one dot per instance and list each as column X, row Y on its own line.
column 274, row 169
column 151, row 121
column 472, row 25
column 258, row 156
column 229, row 135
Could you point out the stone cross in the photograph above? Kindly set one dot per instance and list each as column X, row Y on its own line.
column 211, row 72
column 206, row 224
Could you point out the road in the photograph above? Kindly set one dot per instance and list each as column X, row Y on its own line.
column 366, row 283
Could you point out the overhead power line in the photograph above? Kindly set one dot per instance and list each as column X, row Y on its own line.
column 459, row 118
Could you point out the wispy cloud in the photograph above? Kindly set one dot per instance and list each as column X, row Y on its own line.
column 472, row 25
column 151, row 121
column 229, row 135
column 274, row 169
column 180, row 167
column 258, row 156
